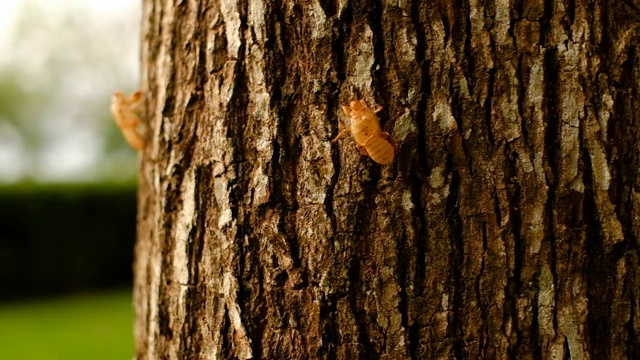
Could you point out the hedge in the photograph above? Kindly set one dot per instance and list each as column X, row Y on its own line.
column 61, row 238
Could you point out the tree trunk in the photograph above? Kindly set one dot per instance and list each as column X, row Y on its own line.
column 507, row 226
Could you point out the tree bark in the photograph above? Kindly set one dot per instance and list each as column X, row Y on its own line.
column 507, row 227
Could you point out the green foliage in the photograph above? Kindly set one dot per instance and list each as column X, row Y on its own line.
column 96, row 326
column 18, row 104
column 56, row 80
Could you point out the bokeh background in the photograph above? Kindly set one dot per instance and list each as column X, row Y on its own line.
column 67, row 179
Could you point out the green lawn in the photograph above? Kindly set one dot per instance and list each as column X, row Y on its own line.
column 96, row 326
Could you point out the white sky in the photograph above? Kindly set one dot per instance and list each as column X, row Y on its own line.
column 7, row 11
column 73, row 125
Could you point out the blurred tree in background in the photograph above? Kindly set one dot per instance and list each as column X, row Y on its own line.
column 60, row 63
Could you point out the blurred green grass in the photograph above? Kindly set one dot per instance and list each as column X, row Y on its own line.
column 90, row 326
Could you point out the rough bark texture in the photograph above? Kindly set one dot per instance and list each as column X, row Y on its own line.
column 508, row 226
